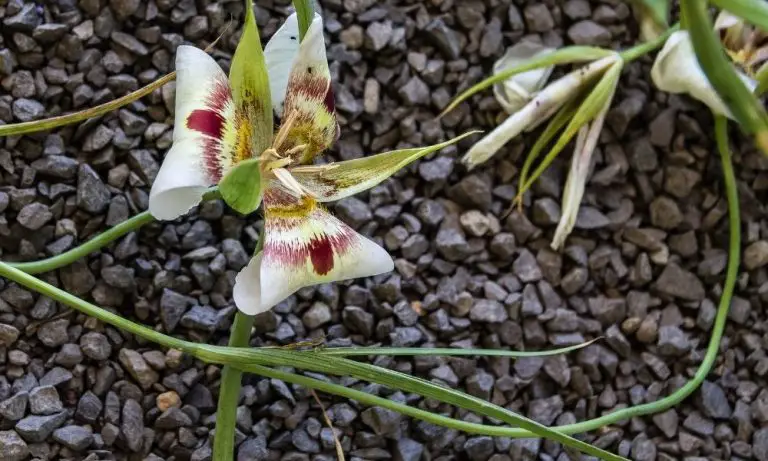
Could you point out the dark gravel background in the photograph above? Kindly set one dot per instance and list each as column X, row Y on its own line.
column 644, row 267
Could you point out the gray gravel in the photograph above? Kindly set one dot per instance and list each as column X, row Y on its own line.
column 643, row 269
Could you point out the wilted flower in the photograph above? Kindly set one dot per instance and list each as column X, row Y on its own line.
column 586, row 141
column 579, row 108
column 516, row 91
column 677, row 70
column 224, row 136
column 539, row 108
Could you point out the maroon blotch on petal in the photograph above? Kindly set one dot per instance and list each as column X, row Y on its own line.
column 207, row 122
column 321, row 254
column 330, row 100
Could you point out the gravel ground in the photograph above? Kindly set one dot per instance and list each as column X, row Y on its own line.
column 644, row 267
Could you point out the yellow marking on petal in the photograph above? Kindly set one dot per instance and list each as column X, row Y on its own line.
column 294, row 210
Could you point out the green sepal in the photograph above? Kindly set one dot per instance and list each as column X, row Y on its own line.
column 241, row 187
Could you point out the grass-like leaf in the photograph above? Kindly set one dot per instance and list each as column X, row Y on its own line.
column 446, row 351
column 571, row 54
column 554, row 126
column 744, row 106
column 345, row 367
column 15, row 129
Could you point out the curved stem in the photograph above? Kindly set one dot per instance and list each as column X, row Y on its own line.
column 746, row 108
column 94, row 244
column 55, row 122
column 644, row 48
column 734, row 251
column 57, row 294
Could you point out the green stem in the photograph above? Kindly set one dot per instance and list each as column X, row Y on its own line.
column 229, row 392
column 101, row 240
column 231, row 382
column 231, row 378
column 732, row 272
column 645, row 48
column 55, row 122
column 57, row 294
column 745, row 107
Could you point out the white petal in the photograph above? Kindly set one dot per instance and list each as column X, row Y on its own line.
column 247, row 290
column 180, row 183
column 676, row 70
column 517, row 90
column 196, row 160
column 280, row 54
column 305, row 245
column 725, row 20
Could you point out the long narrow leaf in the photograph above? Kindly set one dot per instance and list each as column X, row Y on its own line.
column 15, row 129
column 446, row 351
column 571, row 54
column 744, row 106
column 346, row 367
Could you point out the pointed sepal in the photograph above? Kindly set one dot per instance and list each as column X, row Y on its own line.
column 250, row 91
column 334, row 181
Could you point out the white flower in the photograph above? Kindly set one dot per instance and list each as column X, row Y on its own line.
column 538, row 109
column 516, row 91
column 677, row 70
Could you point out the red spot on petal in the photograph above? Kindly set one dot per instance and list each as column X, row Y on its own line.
column 207, row 122
column 321, row 254
column 330, row 100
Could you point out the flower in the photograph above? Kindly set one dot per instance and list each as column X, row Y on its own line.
column 581, row 161
column 223, row 136
column 538, row 109
column 747, row 46
column 676, row 68
column 515, row 92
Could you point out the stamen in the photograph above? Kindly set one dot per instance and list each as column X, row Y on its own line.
column 296, row 149
column 285, row 177
column 282, row 133
column 279, row 163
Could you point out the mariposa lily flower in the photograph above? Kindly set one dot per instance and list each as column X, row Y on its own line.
column 515, row 92
column 538, row 109
column 676, row 68
column 224, row 136
column 745, row 44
